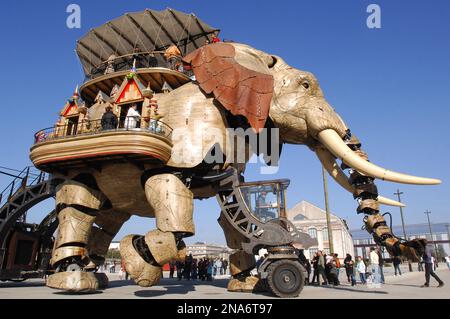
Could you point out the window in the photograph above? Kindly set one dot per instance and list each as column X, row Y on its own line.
column 326, row 251
column 312, row 232
column 312, row 251
column 325, row 234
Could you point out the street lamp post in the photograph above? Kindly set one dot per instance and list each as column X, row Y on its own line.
column 327, row 210
column 431, row 233
column 403, row 225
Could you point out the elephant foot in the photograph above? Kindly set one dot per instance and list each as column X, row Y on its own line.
column 245, row 284
column 75, row 281
column 143, row 273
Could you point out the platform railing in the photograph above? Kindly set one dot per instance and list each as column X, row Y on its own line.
column 150, row 59
column 94, row 127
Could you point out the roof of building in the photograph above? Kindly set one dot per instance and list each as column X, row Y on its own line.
column 411, row 230
column 305, row 210
column 149, row 30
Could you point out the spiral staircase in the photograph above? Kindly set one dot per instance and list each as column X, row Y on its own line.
column 25, row 248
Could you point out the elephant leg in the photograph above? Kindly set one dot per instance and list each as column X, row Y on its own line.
column 366, row 193
column 107, row 225
column 241, row 263
column 77, row 206
column 144, row 256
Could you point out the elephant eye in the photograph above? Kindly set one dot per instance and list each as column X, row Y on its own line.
column 305, row 85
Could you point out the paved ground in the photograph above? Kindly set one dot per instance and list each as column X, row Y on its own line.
column 406, row 286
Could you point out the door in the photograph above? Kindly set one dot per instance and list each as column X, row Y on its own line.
column 72, row 125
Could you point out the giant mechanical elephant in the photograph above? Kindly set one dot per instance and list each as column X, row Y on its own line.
column 236, row 86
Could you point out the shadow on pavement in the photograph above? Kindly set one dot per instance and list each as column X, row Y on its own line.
column 351, row 289
column 68, row 293
column 11, row 284
column 179, row 287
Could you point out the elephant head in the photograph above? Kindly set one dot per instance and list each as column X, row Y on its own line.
column 260, row 86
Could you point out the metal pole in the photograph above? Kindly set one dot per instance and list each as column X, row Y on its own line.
column 403, row 225
column 431, row 233
column 327, row 210
column 448, row 233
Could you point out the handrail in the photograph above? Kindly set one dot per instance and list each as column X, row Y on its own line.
column 15, row 185
column 148, row 59
column 97, row 127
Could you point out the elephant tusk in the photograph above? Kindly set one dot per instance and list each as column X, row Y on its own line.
column 329, row 163
column 389, row 202
column 334, row 143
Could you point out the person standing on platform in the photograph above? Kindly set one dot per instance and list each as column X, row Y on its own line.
column 133, row 117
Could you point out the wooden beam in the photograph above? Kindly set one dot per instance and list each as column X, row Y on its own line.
column 106, row 42
column 113, row 27
column 92, row 52
column 184, row 28
column 160, row 25
column 149, row 38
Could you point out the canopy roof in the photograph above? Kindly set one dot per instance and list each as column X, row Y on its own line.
column 147, row 31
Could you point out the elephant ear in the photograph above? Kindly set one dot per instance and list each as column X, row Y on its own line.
column 239, row 89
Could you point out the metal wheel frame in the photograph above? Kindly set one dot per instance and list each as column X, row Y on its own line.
column 289, row 270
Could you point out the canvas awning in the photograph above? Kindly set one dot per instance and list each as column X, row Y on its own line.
column 148, row 31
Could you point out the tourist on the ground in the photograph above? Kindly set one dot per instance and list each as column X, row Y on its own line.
column 397, row 261
column 447, row 260
column 224, row 266
column 314, row 264
column 328, row 259
column 133, row 117
column 361, row 267
column 217, row 266
column 420, row 264
column 349, row 269
column 333, row 270
column 308, row 271
column 109, row 119
column 321, row 268
column 375, row 265
column 381, row 264
column 221, row 266
column 188, row 267
column 209, row 271
column 172, row 265
column 427, row 259
column 180, row 266
column 194, row 270
column 337, row 263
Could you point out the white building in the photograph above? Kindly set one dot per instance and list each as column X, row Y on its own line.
column 310, row 219
column 202, row 249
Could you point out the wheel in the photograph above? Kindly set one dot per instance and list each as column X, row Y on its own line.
column 286, row 278
column 18, row 279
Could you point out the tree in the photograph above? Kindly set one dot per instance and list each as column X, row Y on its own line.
column 113, row 254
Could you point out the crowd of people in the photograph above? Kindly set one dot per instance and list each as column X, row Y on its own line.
column 198, row 269
column 325, row 268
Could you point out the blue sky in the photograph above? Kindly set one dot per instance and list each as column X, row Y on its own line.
column 390, row 85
